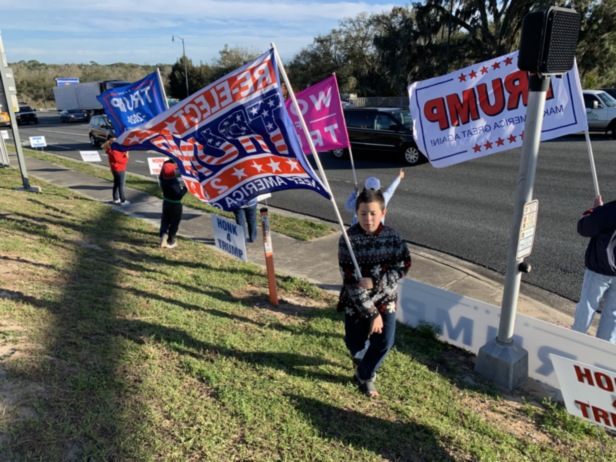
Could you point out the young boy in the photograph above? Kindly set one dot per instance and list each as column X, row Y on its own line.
column 370, row 302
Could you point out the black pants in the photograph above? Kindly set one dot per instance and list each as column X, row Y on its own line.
column 170, row 220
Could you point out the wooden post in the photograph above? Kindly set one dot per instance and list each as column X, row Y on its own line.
column 269, row 257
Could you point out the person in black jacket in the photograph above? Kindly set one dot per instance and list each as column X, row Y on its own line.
column 173, row 191
column 599, row 224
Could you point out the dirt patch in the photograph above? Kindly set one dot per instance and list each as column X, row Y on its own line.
column 291, row 307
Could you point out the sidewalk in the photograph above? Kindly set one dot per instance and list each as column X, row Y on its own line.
column 316, row 260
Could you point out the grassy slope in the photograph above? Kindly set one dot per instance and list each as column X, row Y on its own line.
column 115, row 349
column 293, row 227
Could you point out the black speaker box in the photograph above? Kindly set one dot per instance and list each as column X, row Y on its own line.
column 548, row 41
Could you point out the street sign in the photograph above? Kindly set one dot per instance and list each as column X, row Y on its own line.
column 60, row 82
column 527, row 229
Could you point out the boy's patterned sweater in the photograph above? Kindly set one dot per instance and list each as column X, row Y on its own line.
column 383, row 256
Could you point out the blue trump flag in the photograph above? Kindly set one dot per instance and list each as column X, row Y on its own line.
column 233, row 140
column 131, row 105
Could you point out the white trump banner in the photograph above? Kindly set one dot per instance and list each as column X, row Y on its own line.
column 481, row 110
column 589, row 392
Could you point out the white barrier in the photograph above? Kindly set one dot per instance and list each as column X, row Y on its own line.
column 469, row 324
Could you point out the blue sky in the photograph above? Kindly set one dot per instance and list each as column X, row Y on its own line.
column 140, row 31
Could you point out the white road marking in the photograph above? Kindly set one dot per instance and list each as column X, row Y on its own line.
column 64, row 133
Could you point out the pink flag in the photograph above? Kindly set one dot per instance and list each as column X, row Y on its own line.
column 322, row 111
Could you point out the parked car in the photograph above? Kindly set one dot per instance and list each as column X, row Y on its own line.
column 381, row 130
column 100, row 128
column 26, row 115
column 74, row 115
column 600, row 111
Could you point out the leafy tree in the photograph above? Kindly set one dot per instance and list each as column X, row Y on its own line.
column 229, row 59
column 348, row 51
column 178, row 78
column 596, row 53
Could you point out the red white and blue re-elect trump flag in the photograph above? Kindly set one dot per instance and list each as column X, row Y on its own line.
column 481, row 110
column 232, row 140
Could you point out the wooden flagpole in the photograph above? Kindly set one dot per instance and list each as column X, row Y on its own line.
column 317, row 159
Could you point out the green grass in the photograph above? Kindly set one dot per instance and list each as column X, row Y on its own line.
column 115, row 349
column 296, row 228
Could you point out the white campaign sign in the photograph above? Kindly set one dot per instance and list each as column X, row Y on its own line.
column 481, row 110
column 589, row 392
column 90, row 156
column 156, row 164
column 37, row 142
column 229, row 237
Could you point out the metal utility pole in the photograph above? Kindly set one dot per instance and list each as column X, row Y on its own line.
column 173, row 37
column 547, row 47
column 7, row 81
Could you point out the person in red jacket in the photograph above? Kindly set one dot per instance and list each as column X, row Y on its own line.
column 117, row 164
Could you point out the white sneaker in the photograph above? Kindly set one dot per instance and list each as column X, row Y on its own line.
column 172, row 245
column 116, row 201
column 163, row 240
column 125, row 203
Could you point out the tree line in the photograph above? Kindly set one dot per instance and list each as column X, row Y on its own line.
column 372, row 55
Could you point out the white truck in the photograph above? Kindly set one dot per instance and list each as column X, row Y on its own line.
column 83, row 95
column 600, row 111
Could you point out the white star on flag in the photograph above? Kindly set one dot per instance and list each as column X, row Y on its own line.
column 274, row 165
column 170, row 126
column 292, row 164
column 239, row 173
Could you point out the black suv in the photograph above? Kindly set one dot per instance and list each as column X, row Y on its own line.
column 26, row 115
column 381, row 130
column 100, row 128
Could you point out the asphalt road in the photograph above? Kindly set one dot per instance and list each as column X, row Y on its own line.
column 464, row 210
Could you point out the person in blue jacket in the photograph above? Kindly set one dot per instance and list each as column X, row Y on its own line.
column 173, row 191
column 599, row 224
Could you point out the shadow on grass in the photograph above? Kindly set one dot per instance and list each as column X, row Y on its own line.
column 296, row 364
column 407, row 441
column 78, row 409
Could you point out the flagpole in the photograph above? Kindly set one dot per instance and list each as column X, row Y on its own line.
column 162, row 86
column 352, row 164
column 345, row 129
column 317, row 159
column 592, row 163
